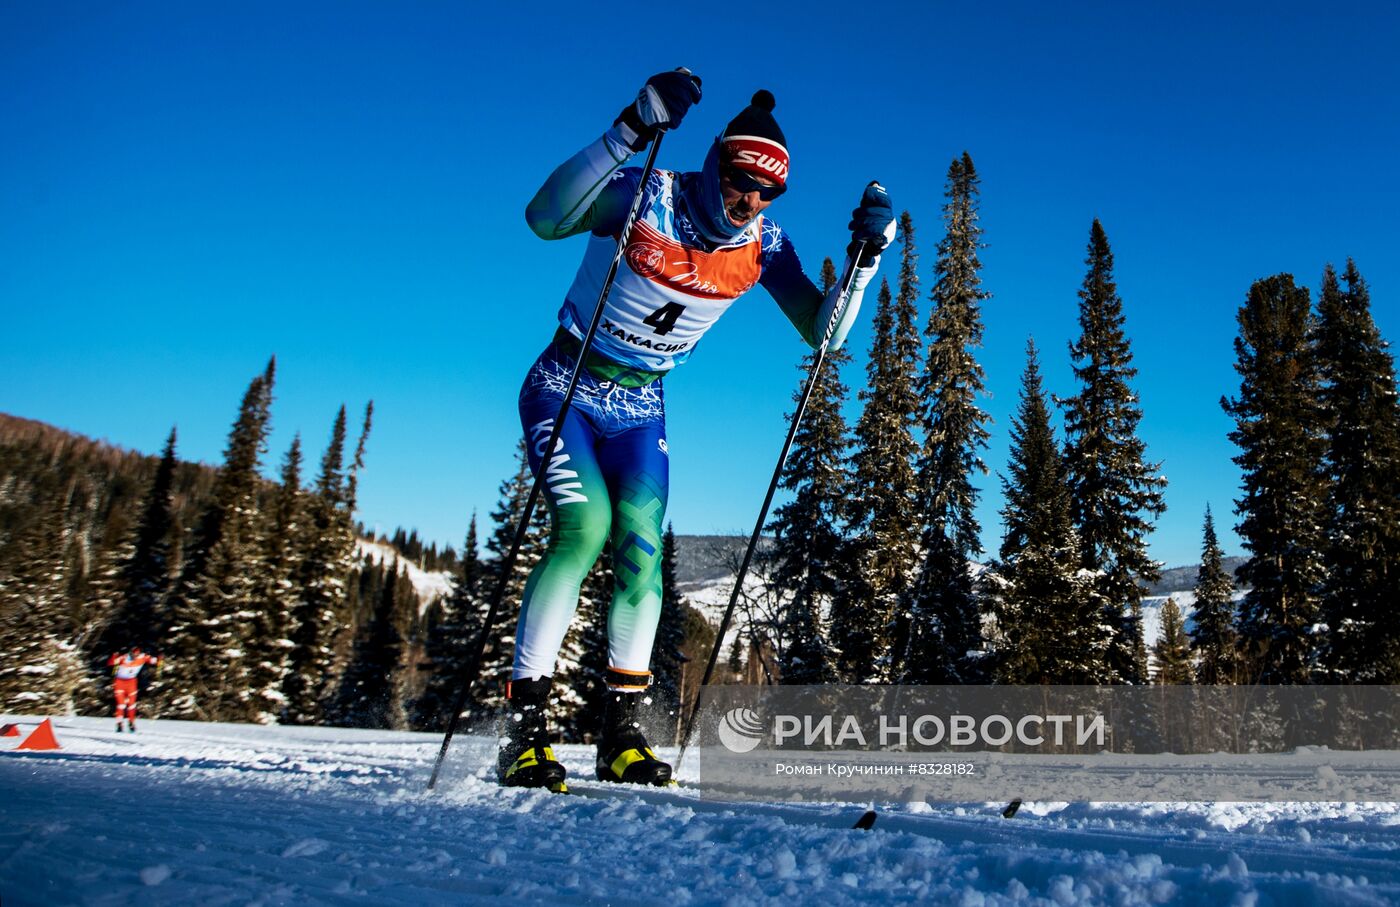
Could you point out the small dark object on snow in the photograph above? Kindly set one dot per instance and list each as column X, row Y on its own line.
column 1011, row 808
column 866, row 821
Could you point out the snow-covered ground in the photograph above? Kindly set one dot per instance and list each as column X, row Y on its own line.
column 711, row 597
column 185, row 813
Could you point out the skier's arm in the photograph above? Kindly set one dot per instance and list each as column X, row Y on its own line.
column 116, row 657
column 804, row 304
column 589, row 191
column 872, row 228
column 584, row 193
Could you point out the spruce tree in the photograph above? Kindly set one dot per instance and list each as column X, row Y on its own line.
column 42, row 670
column 807, row 557
column 1136, row 643
column 490, row 687
column 946, row 625
column 269, row 646
column 883, row 510
column 1362, row 421
column 1114, row 491
column 1279, row 430
column 450, row 637
column 357, row 461
column 327, row 556
column 1173, row 650
column 205, row 675
column 1213, row 638
column 906, row 392
column 588, row 680
column 144, row 576
column 668, row 660
column 575, row 666
column 1049, row 627
column 370, row 694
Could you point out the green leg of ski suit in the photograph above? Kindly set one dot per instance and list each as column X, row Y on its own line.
column 606, row 482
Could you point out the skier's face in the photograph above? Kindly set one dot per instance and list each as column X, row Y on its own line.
column 744, row 194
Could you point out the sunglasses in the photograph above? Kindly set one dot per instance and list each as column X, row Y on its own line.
column 745, row 182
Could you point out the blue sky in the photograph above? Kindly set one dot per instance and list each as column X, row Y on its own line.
column 189, row 188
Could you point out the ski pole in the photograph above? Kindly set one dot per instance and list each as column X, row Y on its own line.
column 523, row 527
column 841, row 301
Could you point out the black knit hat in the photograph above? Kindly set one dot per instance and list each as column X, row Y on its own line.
column 753, row 140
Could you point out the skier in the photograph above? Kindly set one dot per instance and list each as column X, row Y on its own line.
column 701, row 239
column 126, row 669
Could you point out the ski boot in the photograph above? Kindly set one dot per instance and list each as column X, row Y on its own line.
column 623, row 753
column 119, row 727
column 525, row 758
column 131, row 725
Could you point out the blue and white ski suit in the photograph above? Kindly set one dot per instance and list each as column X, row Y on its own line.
column 607, row 477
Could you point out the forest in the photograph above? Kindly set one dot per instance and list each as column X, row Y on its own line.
column 265, row 603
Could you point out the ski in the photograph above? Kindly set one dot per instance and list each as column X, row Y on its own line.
column 1011, row 809
column 866, row 821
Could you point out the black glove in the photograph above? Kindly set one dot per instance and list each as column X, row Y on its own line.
column 660, row 104
column 872, row 223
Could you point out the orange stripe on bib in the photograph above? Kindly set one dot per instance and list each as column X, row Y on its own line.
column 722, row 274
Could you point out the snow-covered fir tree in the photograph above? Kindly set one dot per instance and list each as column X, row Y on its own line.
column 1114, row 491
column 143, row 577
column 452, row 628
column 883, row 512
column 370, row 692
column 1049, row 625
column 572, row 667
column 946, row 625
column 1362, row 420
column 489, row 687
column 1173, row 650
column 1214, row 642
column 808, row 553
column 146, row 573
column 1279, row 431
column 269, row 645
column 587, row 681
column 210, row 613
column 43, row 667
column 327, row 551
column 668, row 658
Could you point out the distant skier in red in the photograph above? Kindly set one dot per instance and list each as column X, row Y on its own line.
column 125, row 671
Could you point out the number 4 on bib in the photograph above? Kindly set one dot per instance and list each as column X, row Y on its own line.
column 663, row 320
